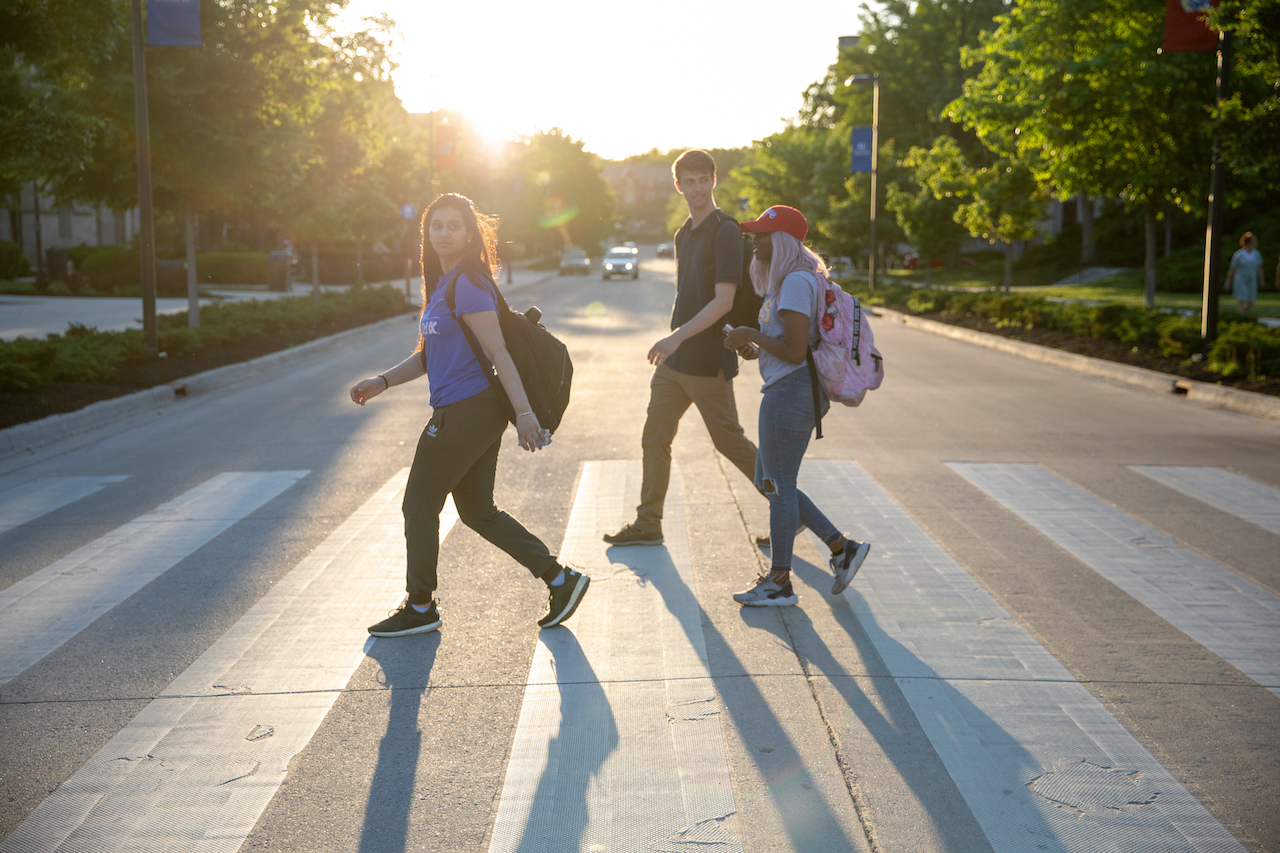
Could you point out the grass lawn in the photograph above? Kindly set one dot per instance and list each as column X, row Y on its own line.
column 1125, row 288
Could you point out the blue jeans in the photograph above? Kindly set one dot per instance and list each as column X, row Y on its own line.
column 786, row 420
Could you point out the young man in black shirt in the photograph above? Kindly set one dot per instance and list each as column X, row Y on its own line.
column 693, row 366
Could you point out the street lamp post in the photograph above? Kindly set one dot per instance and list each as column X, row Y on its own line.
column 874, row 81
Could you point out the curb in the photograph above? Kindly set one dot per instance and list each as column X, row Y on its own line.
column 1221, row 396
column 23, row 438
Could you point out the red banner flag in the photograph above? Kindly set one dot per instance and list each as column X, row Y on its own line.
column 1184, row 26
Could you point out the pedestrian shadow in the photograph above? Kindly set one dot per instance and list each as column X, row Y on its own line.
column 810, row 823
column 898, row 730
column 586, row 737
column 406, row 667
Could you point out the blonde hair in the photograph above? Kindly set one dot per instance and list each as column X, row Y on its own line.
column 789, row 255
column 1245, row 238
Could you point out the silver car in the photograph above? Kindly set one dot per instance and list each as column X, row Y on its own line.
column 621, row 260
column 574, row 262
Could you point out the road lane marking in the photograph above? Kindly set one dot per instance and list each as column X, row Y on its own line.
column 1231, row 493
column 29, row 501
column 619, row 744
column 1232, row 617
column 1040, row 763
column 197, row 767
column 45, row 609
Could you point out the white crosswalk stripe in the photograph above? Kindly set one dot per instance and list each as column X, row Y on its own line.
column 28, row 501
column 619, row 744
column 1224, row 490
column 1039, row 762
column 195, row 769
column 1231, row 616
column 45, row 609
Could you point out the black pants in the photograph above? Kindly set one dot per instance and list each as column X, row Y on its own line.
column 458, row 453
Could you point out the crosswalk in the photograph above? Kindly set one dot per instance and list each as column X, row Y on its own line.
column 621, row 742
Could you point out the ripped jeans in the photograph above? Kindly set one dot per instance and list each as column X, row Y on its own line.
column 786, row 420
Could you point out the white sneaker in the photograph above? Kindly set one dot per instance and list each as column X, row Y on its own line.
column 766, row 593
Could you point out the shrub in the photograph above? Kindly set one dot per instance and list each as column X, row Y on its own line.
column 1178, row 337
column 1246, row 348
column 12, row 262
column 83, row 354
column 106, row 268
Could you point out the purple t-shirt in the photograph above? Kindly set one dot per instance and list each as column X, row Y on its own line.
column 452, row 368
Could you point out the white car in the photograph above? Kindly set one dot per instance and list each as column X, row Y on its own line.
column 621, row 260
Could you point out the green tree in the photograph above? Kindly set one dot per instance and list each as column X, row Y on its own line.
column 1076, row 90
column 999, row 200
column 1249, row 121
column 927, row 215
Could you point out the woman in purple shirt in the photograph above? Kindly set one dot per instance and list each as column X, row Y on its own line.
column 458, row 450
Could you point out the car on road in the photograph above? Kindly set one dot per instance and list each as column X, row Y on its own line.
column 574, row 262
column 666, row 250
column 620, row 260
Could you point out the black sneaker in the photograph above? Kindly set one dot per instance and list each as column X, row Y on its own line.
column 632, row 535
column 846, row 564
column 562, row 600
column 406, row 620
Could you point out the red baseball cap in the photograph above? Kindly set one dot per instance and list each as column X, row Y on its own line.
column 779, row 218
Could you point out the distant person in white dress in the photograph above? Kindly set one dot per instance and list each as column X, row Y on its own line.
column 1244, row 276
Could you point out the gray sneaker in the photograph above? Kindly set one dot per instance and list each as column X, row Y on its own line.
column 766, row 593
column 846, row 564
column 632, row 535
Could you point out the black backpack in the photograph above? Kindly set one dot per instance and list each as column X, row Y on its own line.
column 746, row 302
column 540, row 357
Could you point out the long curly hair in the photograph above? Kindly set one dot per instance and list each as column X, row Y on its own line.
column 480, row 256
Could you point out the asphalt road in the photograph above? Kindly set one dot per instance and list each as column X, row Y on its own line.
column 1064, row 638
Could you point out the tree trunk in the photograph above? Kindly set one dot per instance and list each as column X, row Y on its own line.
column 1088, row 246
column 315, row 270
column 39, row 264
column 1149, row 256
column 1008, row 267
column 193, row 290
column 1168, row 232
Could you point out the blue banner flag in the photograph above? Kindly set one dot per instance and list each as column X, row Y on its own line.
column 173, row 23
column 860, row 142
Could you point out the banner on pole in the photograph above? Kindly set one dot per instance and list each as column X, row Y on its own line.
column 1184, row 27
column 860, row 142
column 173, row 23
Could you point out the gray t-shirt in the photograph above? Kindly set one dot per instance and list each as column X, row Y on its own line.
column 799, row 293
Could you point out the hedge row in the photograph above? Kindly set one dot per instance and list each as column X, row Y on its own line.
column 1243, row 348
column 86, row 355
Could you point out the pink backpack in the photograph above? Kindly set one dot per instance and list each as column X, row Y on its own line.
column 846, row 360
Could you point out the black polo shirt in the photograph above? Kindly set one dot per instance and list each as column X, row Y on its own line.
column 707, row 254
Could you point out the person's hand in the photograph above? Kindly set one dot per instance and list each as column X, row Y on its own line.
column 737, row 338
column 366, row 389
column 530, row 432
column 662, row 350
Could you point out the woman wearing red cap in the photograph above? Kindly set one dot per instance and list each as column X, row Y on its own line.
column 783, row 272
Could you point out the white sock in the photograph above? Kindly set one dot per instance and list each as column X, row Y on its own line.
column 421, row 608
column 559, row 579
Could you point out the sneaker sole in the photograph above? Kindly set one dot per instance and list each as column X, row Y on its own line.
column 772, row 602
column 633, row 542
column 420, row 629
column 574, row 600
column 859, row 558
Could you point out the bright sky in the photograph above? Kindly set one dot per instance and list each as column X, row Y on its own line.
column 621, row 78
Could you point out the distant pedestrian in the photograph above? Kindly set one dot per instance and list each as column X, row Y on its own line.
column 1244, row 276
column 783, row 273
column 458, row 450
column 692, row 366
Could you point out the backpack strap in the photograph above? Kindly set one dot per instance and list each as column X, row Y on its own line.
column 817, row 403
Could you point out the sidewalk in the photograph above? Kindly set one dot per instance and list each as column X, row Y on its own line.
column 37, row 316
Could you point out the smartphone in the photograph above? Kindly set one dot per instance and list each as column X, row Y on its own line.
column 754, row 348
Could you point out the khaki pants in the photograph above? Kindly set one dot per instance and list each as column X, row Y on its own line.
column 670, row 394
